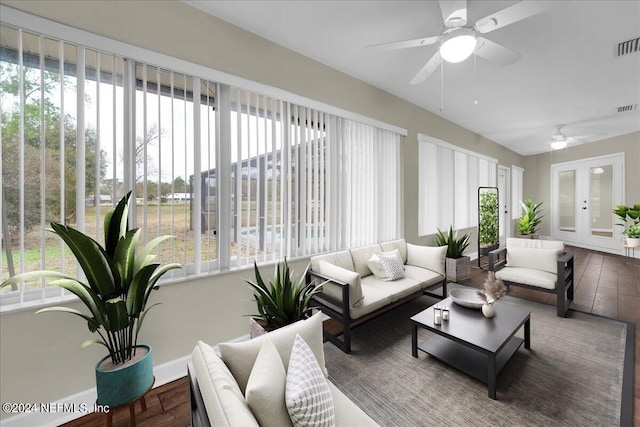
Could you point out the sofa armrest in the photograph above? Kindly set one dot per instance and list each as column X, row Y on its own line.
column 565, row 266
column 497, row 259
column 329, row 281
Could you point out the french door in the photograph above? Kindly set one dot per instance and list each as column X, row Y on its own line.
column 583, row 194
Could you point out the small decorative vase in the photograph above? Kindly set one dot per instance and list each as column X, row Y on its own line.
column 488, row 310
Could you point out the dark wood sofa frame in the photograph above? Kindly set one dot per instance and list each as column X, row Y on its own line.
column 564, row 278
column 321, row 301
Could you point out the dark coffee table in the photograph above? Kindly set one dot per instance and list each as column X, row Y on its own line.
column 471, row 343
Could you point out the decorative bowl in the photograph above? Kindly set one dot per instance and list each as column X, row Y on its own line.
column 466, row 298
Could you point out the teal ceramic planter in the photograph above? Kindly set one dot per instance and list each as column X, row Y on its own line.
column 125, row 383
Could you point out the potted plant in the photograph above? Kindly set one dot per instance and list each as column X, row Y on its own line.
column 629, row 217
column 488, row 222
column 282, row 301
column 530, row 219
column 458, row 266
column 119, row 281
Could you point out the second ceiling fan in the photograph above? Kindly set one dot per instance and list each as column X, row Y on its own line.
column 459, row 40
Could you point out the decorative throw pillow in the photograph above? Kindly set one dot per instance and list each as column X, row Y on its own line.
column 392, row 265
column 266, row 388
column 376, row 267
column 307, row 396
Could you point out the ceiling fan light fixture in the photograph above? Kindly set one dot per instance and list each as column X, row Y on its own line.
column 559, row 144
column 458, row 45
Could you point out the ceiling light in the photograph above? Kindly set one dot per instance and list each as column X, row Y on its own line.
column 598, row 170
column 458, row 45
column 559, row 145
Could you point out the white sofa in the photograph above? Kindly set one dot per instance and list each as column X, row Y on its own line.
column 234, row 389
column 352, row 293
column 541, row 265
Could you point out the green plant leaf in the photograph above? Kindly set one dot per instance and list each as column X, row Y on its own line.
column 87, row 296
column 115, row 225
column 138, row 288
column 92, row 259
column 143, row 257
column 143, row 315
column 116, row 312
column 92, row 324
column 87, row 343
column 124, row 258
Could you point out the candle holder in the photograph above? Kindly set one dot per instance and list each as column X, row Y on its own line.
column 437, row 315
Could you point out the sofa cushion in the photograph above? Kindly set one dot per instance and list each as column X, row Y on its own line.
column 528, row 276
column 341, row 259
column 222, row 397
column 308, row 397
column 392, row 265
column 343, row 275
column 400, row 245
column 431, row 257
column 240, row 356
column 396, row 289
column 422, row 275
column 347, row 412
column 266, row 388
column 360, row 257
column 537, row 259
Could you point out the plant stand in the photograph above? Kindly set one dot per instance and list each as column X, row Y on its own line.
column 131, row 405
column 488, row 222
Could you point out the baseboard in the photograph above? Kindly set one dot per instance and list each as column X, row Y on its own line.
column 81, row 404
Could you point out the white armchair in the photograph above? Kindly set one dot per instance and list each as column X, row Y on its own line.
column 541, row 265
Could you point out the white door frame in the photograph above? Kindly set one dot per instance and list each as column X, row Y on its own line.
column 582, row 211
column 504, row 194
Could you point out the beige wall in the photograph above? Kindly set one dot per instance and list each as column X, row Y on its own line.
column 40, row 359
column 537, row 169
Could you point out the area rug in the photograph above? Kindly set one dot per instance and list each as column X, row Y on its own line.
column 572, row 375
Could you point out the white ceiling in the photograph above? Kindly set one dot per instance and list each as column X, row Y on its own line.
column 568, row 73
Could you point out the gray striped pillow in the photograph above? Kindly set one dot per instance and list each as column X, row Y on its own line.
column 308, row 397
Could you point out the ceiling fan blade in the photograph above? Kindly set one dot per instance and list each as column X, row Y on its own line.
column 514, row 13
column 405, row 44
column 454, row 13
column 495, row 52
column 428, row 68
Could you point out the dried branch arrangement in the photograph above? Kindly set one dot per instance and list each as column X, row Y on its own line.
column 494, row 289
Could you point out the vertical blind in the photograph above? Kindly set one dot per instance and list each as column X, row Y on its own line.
column 449, row 177
column 235, row 176
column 517, row 178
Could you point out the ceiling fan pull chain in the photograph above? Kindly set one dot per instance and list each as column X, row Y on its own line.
column 442, row 109
column 475, row 78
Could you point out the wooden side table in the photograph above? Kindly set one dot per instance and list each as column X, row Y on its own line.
column 131, row 405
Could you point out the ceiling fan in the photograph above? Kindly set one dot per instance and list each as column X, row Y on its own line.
column 559, row 140
column 459, row 40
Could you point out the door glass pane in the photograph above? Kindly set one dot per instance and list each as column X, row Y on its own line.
column 567, row 195
column 601, row 202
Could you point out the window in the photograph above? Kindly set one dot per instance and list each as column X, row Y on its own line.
column 448, row 186
column 234, row 174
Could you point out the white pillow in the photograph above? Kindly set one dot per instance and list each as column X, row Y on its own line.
column 376, row 268
column 266, row 388
column 392, row 265
column 307, row 395
column 343, row 275
column 240, row 357
column 537, row 259
column 429, row 257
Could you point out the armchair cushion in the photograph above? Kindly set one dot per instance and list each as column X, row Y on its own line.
column 528, row 276
column 430, row 257
column 343, row 275
column 536, row 259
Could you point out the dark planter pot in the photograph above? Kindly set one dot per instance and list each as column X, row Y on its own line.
column 528, row 236
column 484, row 250
column 125, row 382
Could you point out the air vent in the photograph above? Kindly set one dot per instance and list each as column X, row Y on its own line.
column 630, row 46
column 626, row 108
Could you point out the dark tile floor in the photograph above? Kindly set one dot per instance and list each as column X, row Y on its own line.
column 607, row 285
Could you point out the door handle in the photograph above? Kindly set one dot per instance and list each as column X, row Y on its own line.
column 584, row 207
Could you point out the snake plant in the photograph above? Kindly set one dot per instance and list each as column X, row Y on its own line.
column 284, row 300
column 119, row 280
column 455, row 246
